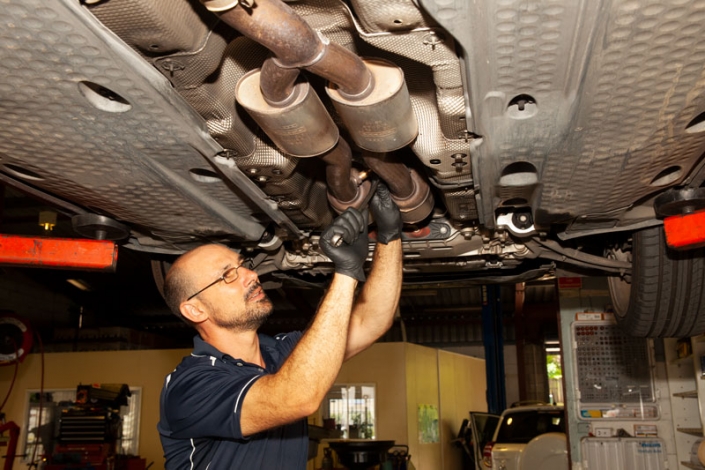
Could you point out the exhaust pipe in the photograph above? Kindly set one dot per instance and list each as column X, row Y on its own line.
column 295, row 44
column 296, row 120
column 360, row 89
column 408, row 189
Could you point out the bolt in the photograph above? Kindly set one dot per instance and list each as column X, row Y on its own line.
column 465, row 134
column 467, row 232
column 172, row 66
column 459, row 162
column 432, row 39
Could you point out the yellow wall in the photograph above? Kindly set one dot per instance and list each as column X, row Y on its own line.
column 383, row 365
column 422, row 389
column 463, row 386
column 406, row 376
column 145, row 369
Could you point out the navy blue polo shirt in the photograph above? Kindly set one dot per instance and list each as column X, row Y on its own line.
column 200, row 409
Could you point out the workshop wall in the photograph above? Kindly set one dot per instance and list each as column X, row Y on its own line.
column 511, row 366
column 407, row 376
column 383, row 365
column 463, row 386
column 146, row 369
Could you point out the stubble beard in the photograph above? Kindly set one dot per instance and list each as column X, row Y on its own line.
column 254, row 316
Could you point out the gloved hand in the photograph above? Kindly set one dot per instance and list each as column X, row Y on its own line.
column 349, row 256
column 386, row 215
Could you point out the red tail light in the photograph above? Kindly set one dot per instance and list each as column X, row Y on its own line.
column 487, row 455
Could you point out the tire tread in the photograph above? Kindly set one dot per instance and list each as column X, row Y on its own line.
column 667, row 297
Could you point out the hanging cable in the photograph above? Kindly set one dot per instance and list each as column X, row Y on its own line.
column 14, row 375
column 33, row 462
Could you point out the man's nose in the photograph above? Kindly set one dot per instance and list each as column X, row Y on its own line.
column 248, row 276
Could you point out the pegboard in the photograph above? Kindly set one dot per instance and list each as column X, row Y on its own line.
column 612, row 367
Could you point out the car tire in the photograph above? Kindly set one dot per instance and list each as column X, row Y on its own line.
column 666, row 295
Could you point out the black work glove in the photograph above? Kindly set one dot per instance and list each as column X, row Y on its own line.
column 386, row 215
column 350, row 255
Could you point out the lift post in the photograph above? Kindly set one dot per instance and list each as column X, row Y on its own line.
column 492, row 337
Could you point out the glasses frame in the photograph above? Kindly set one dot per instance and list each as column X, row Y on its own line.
column 247, row 264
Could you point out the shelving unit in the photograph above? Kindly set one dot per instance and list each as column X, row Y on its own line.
column 685, row 388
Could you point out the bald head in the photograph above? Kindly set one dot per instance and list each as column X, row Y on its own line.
column 180, row 283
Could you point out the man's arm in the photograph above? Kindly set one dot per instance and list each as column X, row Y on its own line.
column 300, row 385
column 373, row 312
column 374, row 309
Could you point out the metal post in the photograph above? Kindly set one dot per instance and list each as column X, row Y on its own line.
column 494, row 348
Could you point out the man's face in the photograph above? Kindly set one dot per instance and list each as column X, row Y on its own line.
column 240, row 305
column 257, row 308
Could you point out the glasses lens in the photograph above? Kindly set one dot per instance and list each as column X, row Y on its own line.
column 230, row 275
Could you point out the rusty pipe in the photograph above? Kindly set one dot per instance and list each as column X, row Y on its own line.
column 338, row 162
column 295, row 44
column 409, row 190
column 277, row 83
column 342, row 67
column 394, row 173
column 346, row 186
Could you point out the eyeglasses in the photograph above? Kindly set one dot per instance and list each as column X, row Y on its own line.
column 230, row 275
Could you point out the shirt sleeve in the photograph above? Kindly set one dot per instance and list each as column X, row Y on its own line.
column 286, row 342
column 206, row 401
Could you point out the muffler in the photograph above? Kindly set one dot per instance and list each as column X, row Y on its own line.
column 301, row 127
column 370, row 95
column 382, row 121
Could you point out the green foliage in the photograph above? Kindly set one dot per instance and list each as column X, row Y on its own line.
column 553, row 366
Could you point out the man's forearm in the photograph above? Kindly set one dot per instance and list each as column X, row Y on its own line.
column 373, row 312
column 299, row 386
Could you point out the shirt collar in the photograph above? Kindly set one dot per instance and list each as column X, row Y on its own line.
column 201, row 348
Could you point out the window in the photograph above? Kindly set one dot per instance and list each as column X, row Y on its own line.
column 555, row 372
column 521, row 426
column 352, row 407
column 38, row 438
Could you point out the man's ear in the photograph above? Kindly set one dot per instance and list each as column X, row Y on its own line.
column 193, row 311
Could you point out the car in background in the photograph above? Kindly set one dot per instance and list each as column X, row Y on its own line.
column 475, row 432
column 521, row 140
column 528, row 438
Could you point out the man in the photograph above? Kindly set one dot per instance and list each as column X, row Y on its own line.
column 241, row 400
